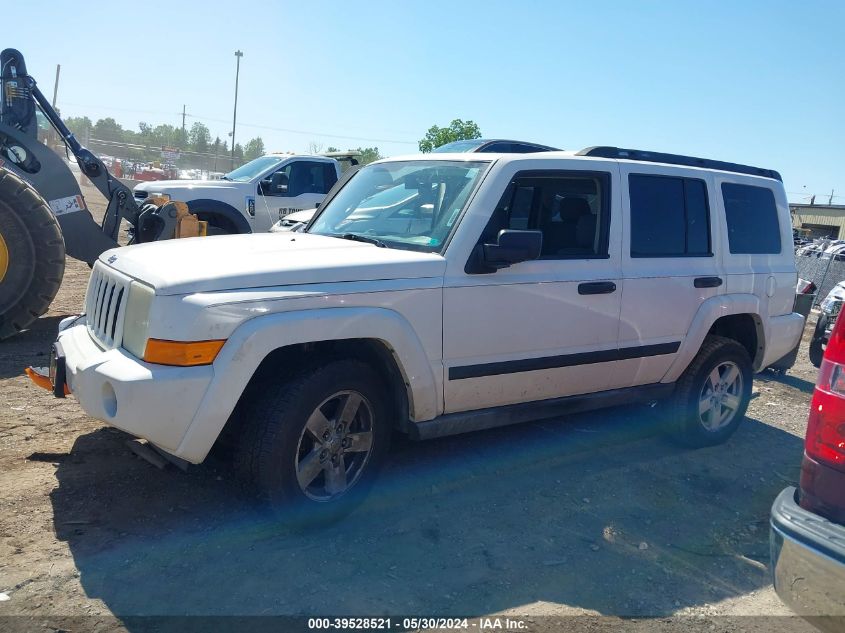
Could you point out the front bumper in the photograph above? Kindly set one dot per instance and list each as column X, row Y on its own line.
column 154, row 402
column 808, row 562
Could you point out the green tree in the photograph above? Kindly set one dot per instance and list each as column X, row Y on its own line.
column 458, row 130
column 332, row 148
column 81, row 126
column 199, row 137
column 108, row 130
column 254, row 148
column 368, row 155
column 166, row 135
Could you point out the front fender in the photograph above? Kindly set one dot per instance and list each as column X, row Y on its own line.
column 255, row 339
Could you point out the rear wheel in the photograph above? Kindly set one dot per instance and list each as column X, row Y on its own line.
column 712, row 395
column 32, row 255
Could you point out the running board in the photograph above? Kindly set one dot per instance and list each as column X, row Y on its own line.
column 467, row 421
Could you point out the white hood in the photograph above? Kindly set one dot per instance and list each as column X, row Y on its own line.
column 227, row 262
column 170, row 186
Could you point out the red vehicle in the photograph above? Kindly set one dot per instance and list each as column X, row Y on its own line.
column 808, row 524
column 149, row 172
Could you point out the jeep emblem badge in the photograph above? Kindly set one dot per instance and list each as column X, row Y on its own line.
column 112, row 259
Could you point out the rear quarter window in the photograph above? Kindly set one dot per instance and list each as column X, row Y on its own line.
column 752, row 219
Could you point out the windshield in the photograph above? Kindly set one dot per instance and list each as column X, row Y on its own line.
column 461, row 146
column 253, row 168
column 410, row 204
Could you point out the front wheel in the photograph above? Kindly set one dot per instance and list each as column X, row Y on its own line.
column 712, row 395
column 312, row 446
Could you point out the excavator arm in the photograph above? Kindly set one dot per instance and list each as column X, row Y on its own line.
column 23, row 154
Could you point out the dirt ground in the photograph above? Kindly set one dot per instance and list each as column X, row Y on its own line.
column 594, row 514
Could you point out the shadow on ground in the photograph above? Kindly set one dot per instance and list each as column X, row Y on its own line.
column 17, row 352
column 591, row 512
column 802, row 385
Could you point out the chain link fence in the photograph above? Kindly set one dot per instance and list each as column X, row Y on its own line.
column 824, row 272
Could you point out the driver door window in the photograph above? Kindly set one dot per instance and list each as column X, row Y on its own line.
column 571, row 209
column 302, row 177
column 279, row 182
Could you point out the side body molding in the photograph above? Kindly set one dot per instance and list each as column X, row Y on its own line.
column 256, row 338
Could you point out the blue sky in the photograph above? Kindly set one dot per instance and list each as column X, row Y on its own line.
column 753, row 82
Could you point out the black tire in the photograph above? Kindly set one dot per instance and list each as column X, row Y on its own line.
column 817, row 343
column 217, row 225
column 273, row 423
column 687, row 424
column 32, row 255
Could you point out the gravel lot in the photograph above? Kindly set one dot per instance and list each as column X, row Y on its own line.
column 594, row 514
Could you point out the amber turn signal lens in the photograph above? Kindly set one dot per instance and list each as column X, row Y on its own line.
column 181, row 353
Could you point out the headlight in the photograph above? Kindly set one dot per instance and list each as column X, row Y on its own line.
column 136, row 324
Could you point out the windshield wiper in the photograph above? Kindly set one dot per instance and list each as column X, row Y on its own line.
column 225, row 178
column 355, row 237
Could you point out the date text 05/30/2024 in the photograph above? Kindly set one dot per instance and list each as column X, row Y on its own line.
column 418, row 624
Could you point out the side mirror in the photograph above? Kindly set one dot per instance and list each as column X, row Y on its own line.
column 264, row 186
column 512, row 247
column 277, row 185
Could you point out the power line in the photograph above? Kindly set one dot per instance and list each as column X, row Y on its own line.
column 250, row 125
column 306, row 132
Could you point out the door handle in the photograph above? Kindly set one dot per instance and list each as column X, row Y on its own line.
column 707, row 282
column 596, row 288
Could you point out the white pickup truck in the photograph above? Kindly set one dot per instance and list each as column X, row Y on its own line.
column 441, row 294
column 253, row 197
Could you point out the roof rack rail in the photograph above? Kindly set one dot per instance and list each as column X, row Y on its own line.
column 676, row 159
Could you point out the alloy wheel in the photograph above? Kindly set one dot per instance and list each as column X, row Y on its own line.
column 335, row 446
column 721, row 396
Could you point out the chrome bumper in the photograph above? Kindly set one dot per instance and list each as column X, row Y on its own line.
column 808, row 562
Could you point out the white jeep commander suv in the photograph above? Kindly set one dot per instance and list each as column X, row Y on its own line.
column 443, row 294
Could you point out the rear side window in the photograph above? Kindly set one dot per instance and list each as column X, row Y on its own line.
column 670, row 217
column 752, row 218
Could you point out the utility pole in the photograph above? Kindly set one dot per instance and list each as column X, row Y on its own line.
column 238, row 55
column 184, row 136
column 56, row 85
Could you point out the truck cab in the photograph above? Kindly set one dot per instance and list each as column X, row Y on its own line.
column 251, row 198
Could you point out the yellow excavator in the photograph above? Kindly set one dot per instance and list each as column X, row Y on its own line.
column 43, row 215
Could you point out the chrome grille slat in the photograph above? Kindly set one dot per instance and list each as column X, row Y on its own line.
column 108, row 295
column 98, row 302
column 115, row 313
column 105, row 305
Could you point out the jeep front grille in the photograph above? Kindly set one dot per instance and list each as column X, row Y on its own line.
column 105, row 303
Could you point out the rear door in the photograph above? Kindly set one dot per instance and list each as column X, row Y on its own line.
column 668, row 262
